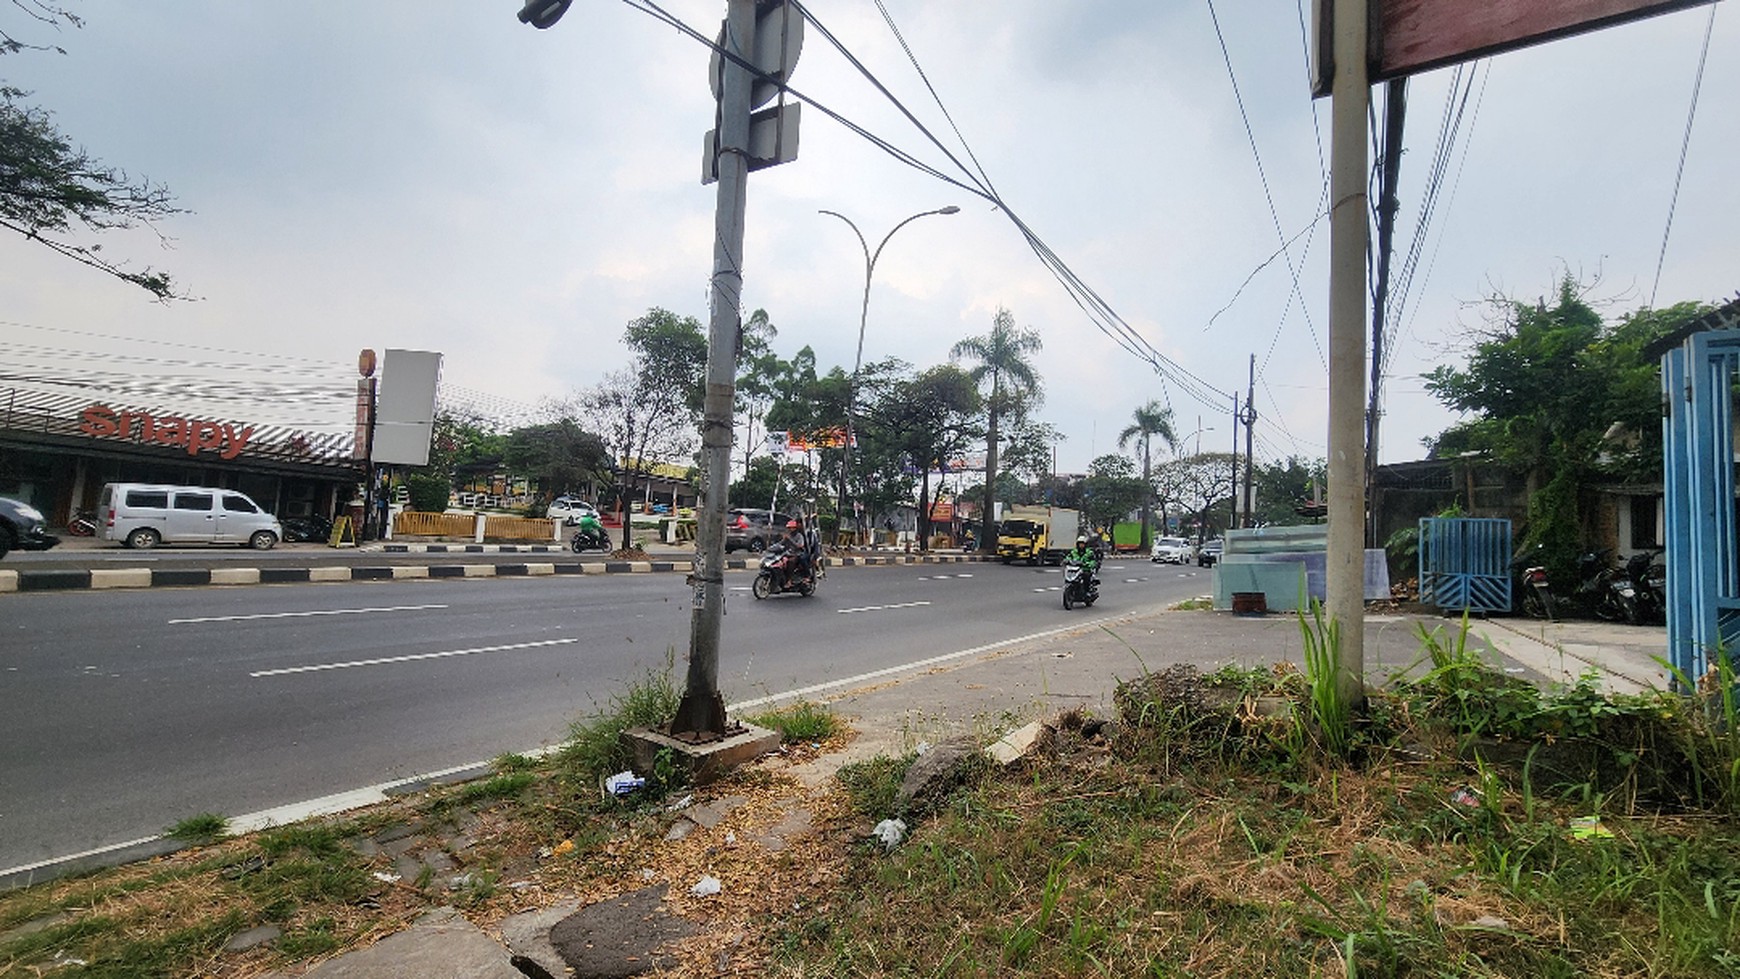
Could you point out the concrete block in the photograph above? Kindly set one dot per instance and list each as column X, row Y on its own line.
column 8, row 581
column 328, row 574
column 121, row 578
column 703, row 762
column 479, row 570
column 537, row 569
column 235, row 576
column 1019, row 744
column 591, row 568
column 410, row 571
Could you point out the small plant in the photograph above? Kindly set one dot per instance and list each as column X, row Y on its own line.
column 504, row 786
column 207, row 827
column 872, row 785
column 805, row 721
column 1330, row 711
column 595, row 748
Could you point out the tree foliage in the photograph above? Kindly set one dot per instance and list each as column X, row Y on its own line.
column 1001, row 357
column 1558, row 395
column 1152, row 420
column 1112, row 489
column 559, row 455
column 650, row 413
column 49, row 188
column 1280, row 487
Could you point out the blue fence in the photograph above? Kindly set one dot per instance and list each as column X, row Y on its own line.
column 1465, row 563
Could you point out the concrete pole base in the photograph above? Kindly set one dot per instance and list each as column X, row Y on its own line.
column 704, row 762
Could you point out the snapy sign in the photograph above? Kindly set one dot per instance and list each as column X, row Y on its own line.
column 195, row 436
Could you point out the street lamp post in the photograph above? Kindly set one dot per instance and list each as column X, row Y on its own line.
column 858, row 361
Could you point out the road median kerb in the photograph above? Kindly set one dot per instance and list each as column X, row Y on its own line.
column 96, row 579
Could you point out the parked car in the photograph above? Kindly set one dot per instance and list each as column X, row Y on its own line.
column 144, row 515
column 1208, row 555
column 22, row 526
column 1172, row 550
column 753, row 530
column 569, row 509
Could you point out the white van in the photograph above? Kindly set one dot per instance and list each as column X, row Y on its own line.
column 144, row 515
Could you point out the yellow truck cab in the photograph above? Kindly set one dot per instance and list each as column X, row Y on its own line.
column 1037, row 534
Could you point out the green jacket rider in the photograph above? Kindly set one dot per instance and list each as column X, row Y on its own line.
column 1083, row 554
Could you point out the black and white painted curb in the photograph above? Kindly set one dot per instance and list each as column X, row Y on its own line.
column 80, row 579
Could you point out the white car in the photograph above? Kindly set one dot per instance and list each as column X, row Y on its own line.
column 1172, row 550
column 569, row 509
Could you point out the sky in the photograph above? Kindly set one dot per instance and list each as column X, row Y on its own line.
column 434, row 175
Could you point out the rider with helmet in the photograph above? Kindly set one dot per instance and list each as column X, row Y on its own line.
column 1084, row 555
column 798, row 545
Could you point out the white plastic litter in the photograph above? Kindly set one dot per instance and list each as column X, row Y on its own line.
column 683, row 803
column 385, row 877
column 890, row 832
column 622, row 783
column 923, row 746
column 707, row 886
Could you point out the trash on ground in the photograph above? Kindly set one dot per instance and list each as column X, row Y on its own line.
column 622, row 783
column 890, row 832
column 1589, row 828
column 386, row 878
column 563, row 848
column 707, row 886
column 1465, row 797
column 683, row 803
column 923, row 746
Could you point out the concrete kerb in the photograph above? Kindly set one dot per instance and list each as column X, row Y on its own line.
column 12, row 580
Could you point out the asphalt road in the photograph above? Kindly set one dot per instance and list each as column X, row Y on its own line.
column 125, row 711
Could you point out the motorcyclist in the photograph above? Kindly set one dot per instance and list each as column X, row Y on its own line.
column 1084, row 555
column 589, row 525
column 798, row 547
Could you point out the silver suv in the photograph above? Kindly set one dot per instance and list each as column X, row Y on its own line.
column 753, row 530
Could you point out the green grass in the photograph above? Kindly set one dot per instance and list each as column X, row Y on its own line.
column 800, row 722
column 207, row 827
column 1215, row 842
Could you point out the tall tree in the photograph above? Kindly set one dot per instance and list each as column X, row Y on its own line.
column 925, row 421
column 1111, row 490
column 1152, row 419
column 651, row 412
column 47, row 186
column 758, row 374
column 559, row 455
column 1002, row 361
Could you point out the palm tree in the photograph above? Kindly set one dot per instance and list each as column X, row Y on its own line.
column 1001, row 356
column 1151, row 420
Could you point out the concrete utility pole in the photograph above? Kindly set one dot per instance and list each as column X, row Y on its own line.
column 701, row 714
column 1345, row 577
column 1250, row 420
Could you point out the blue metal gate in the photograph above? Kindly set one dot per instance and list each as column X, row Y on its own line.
column 1465, row 563
column 1700, row 381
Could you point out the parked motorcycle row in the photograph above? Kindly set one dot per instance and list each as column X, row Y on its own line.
column 1634, row 593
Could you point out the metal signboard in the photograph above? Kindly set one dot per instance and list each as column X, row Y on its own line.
column 1411, row 36
column 405, row 410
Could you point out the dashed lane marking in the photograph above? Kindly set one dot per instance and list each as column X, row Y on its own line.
column 880, row 608
column 385, row 660
column 295, row 615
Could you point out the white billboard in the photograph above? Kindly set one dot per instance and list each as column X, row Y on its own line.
column 405, row 407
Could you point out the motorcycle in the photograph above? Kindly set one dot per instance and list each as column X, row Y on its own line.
column 780, row 573
column 1081, row 586
column 1649, row 578
column 1535, row 593
column 1606, row 590
column 591, row 535
column 310, row 528
column 83, row 524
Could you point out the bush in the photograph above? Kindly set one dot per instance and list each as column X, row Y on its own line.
column 428, row 493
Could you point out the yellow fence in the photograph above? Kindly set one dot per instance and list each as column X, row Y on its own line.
column 415, row 524
column 518, row 528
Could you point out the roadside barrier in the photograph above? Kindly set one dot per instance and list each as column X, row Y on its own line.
column 418, row 524
column 497, row 527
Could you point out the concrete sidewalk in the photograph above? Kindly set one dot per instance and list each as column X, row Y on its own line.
column 988, row 690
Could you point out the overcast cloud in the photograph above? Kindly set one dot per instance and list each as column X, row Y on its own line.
column 435, row 175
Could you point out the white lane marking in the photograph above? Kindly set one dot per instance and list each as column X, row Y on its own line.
column 297, row 615
column 411, row 657
column 879, row 608
column 914, row 666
